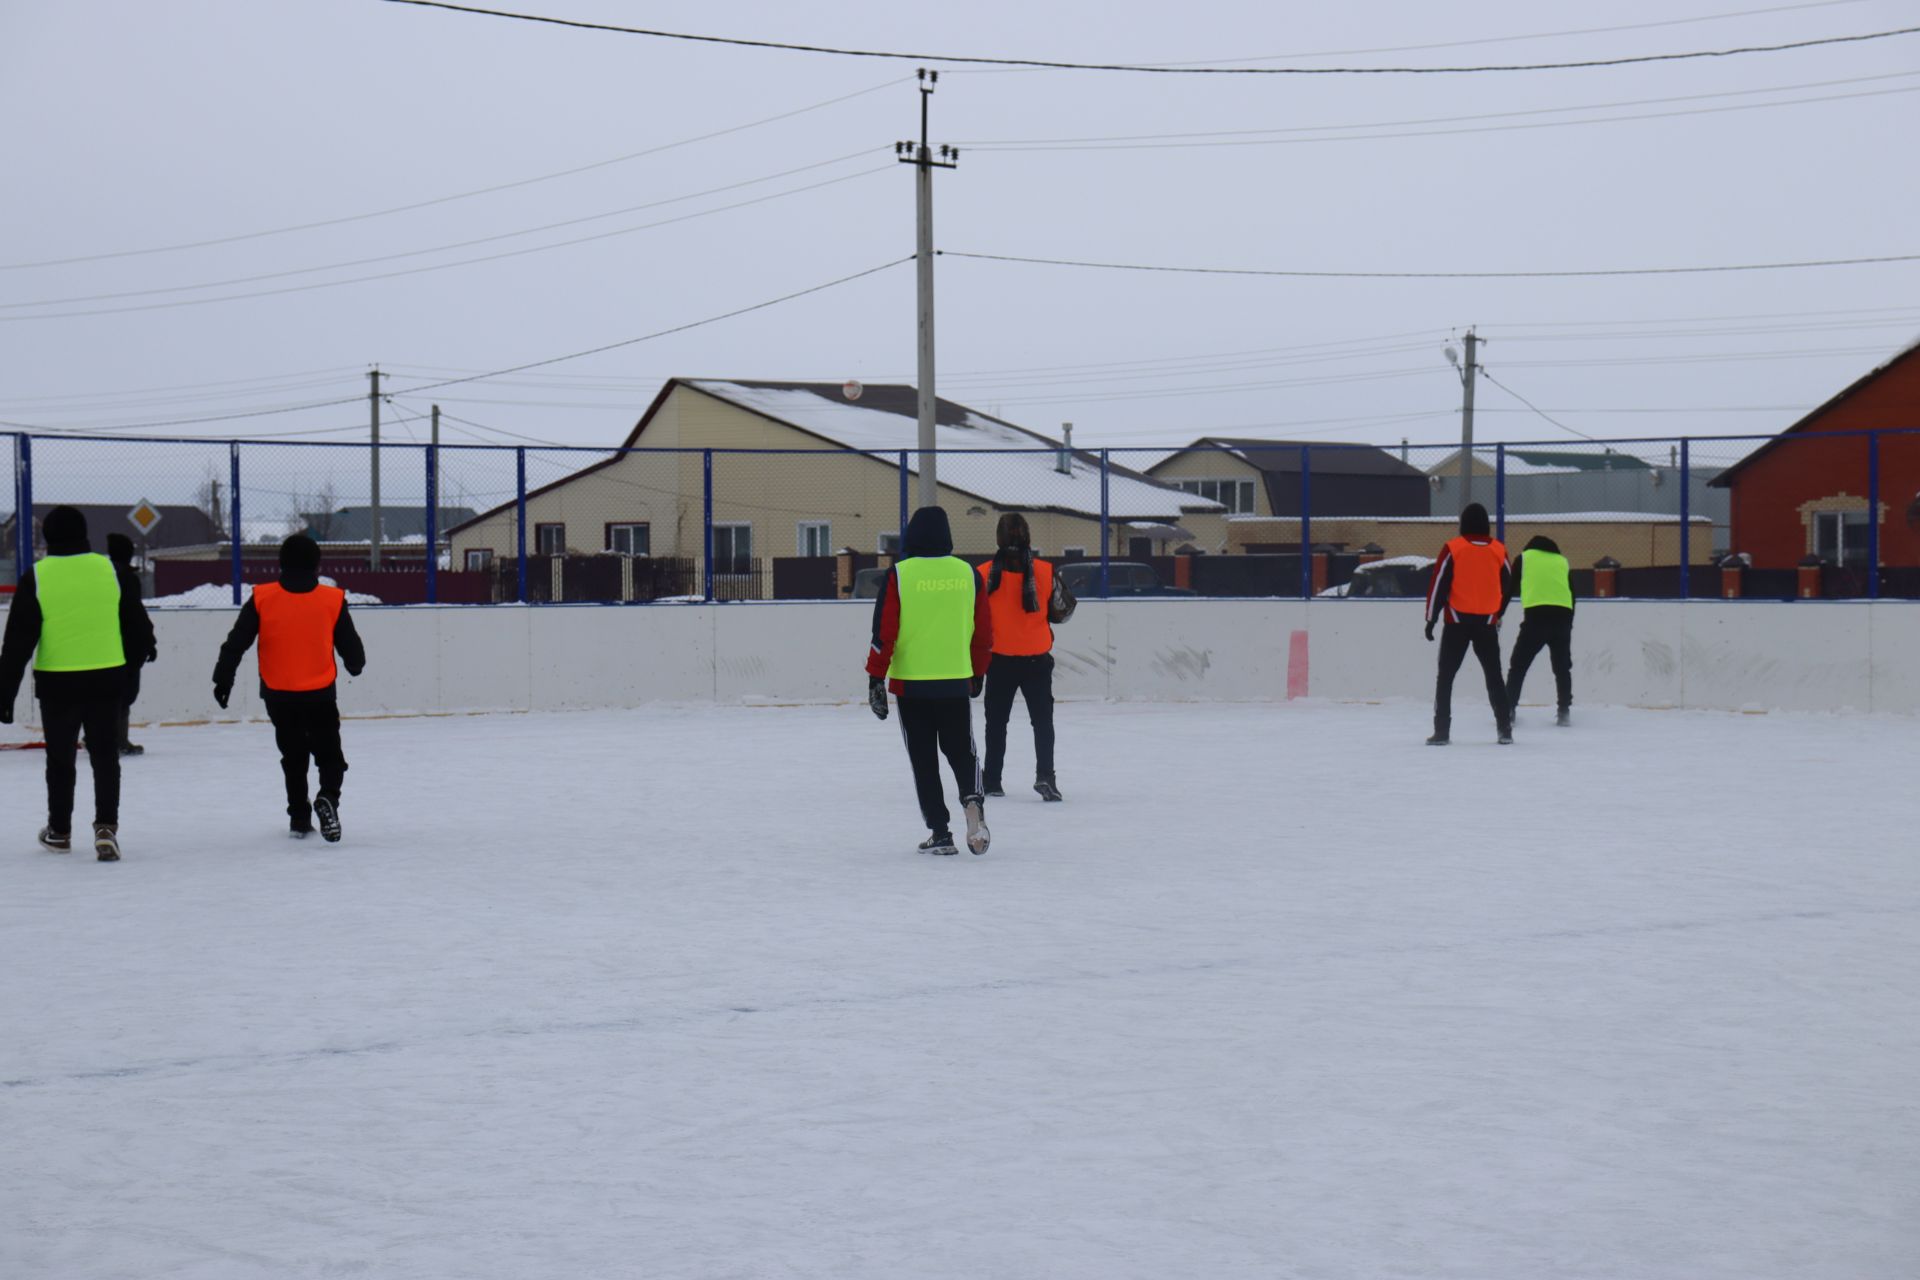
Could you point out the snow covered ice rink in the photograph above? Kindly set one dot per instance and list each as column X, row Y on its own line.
column 1278, row 992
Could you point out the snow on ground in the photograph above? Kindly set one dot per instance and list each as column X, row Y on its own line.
column 1278, row 992
column 220, row 596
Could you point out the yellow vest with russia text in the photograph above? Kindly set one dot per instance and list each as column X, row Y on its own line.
column 935, row 641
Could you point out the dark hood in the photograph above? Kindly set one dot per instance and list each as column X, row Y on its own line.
column 1474, row 522
column 299, row 563
column 1541, row 542
column 65, row 531
column 120, row 550
column 929, row 534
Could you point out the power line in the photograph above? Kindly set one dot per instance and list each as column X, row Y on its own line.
column 1267, row 137
column 1418, row 275
column 519, row 368
column 445, row 266
column 1160, row 69
column 461, row 195
column 1531, row 405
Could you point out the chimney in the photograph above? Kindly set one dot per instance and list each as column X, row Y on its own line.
column 1065, row 464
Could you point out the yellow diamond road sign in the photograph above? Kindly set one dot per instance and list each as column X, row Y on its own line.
column 144, row 517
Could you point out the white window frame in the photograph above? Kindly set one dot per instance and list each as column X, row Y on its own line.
column 891, row 535
column 629, row 525
column 486, row 559
column 800, row 538
column 539, row 534
column 1070, row 552
column 1846, row 522
column 731, row 556
column 1244, row 499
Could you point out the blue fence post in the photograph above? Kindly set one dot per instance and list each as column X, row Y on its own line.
column 904, row 513
column 1106, row 526
column 433, row 524
column 233, row 513
column 1686, row 519
column 23, row 518
column 706, row 520
column 1873, row 515
column 1306, row 522
column 520, row 523
column 1500, row 493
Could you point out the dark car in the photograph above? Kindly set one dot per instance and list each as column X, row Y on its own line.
column 1400, row 577
column 1124, row 578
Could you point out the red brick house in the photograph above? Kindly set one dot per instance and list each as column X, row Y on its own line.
column 1804, row 492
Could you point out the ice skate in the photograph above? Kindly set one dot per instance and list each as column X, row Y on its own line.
column 978, row 837
column 1044, row 785
column 58, row 841
column 106, row 842
column 329, row 815
column 940, row 842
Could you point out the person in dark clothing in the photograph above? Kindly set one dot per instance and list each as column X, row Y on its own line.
column 1471, row 588
column 932, row 641
column 1024, row 595
column 71, row 617
column 1544, row 582
column 300, row 624
column 120, row 551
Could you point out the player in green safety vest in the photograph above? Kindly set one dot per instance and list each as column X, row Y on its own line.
column 1544, row 582
column 72, row 619
column 932, row 641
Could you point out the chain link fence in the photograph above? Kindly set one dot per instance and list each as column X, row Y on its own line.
column 1829, row 515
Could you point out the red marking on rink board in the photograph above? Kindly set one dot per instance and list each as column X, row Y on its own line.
column 1297, row 665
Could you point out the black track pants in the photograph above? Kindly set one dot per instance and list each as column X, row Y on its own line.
column 1032, row 678
column 1550, row 629
column 308, row 731
column 64, row 720
column 1456, row 638
column 933, row 727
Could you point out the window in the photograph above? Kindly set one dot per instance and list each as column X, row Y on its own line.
column 889, row 544
column 630, row 539
column 1235, row 495
column 816, row 538
column 479, row 560
column 550, row 539
column 1073, row 553
column 1840, row 537
column 733, row 548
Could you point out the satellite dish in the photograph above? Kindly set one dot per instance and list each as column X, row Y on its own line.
column 851, row 389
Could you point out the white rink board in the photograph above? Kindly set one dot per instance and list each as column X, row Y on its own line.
column 1731, row 656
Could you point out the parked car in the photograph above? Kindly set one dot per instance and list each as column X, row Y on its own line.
column 1400, row 577
column 1124, row 578
column 866, row 583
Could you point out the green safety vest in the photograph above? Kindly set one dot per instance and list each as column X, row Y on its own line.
column 79, row 614
column 936, row 619
column 1545, row 578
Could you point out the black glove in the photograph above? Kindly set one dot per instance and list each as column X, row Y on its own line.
column 153, row 654
column 221, row 692
column 877, row 696
column 6, row 711
column 975, row 685
column 1429, row 628
column 355, row 671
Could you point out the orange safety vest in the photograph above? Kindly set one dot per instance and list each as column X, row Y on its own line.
column 1476, row 576
column 1017, row 633
column 296, row 636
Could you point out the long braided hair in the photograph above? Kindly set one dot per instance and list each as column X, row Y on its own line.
column 1015, row 541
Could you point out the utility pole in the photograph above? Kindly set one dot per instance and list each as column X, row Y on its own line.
column 921, row 156
column 1468, row 374
column 436, row 426
column 373, row 402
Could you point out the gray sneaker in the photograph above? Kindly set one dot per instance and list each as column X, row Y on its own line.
column 978, row 837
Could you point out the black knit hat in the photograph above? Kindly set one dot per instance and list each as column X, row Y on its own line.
column 120, row 549
column 300, row 554
column 1474, row 522
column 65, row 531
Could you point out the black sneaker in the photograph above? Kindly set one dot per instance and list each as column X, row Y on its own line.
column 1506, row 735
column 1564, row 719
column 299, row 830
column 329, row 816
column 978, row 837
column 1439, row 739
column 1048, row 791
column 58, row 841
column 940, row 842
column 106, row 842
column 132, row 749
column 995, row 790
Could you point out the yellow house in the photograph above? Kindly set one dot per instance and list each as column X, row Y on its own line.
column 828, row 480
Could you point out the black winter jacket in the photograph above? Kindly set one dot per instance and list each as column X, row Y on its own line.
column 246, row 629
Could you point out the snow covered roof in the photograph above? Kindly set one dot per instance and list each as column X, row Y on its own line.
column 885, row 418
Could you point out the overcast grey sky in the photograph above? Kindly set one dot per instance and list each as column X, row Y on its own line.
column 136, row 125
